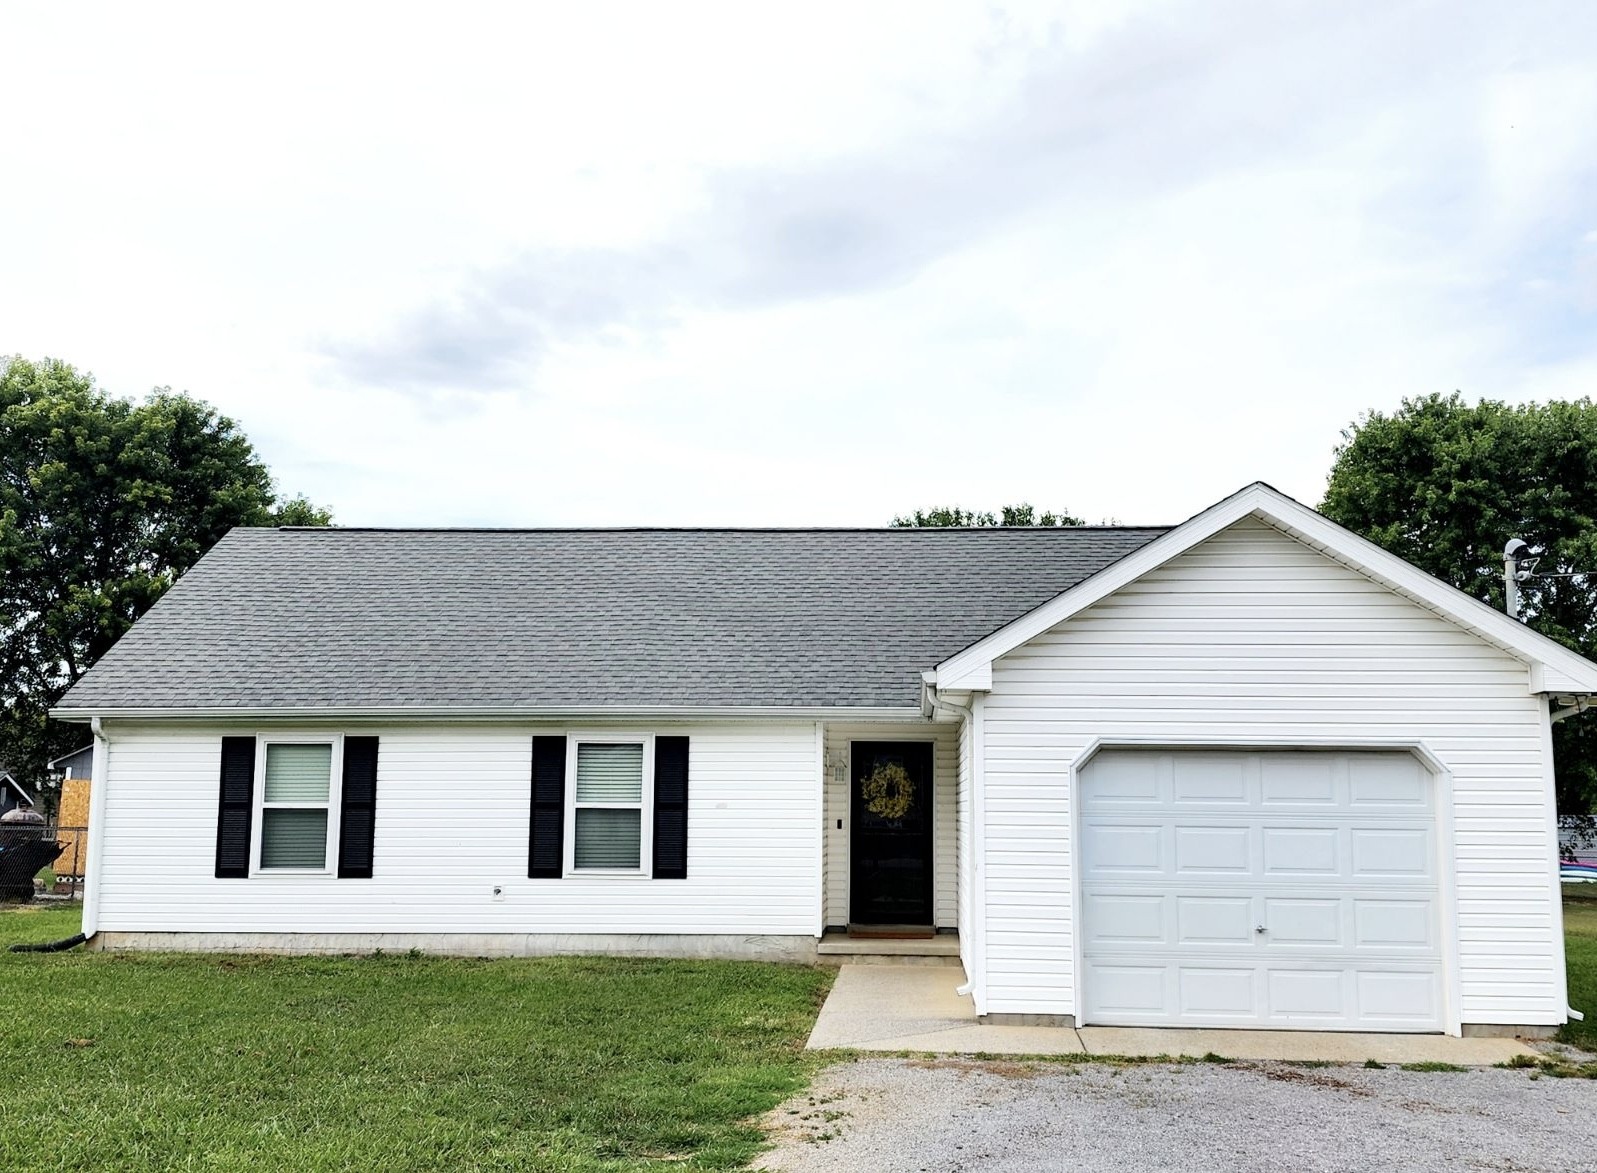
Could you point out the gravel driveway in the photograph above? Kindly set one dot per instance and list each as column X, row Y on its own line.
column 887, row 1115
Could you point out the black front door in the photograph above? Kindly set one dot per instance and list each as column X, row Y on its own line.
column 890, row 847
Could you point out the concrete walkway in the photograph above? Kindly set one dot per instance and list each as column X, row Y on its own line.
column 914, row 1008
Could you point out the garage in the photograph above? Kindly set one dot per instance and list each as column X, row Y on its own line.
column 1285, row 889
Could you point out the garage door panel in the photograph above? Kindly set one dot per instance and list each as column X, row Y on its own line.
column 1398, row 997
column 1302, row 851
column 1387, row 924
column 1212, row 778
column 1379, row 780
column 1119, row 920
column 1214, row 994
column 1332, row 854
column 1306, row 993
column 1210, row 920
column 1293, row 921
column 1396, row 852
column 1205, row 850
column 1130, row 990
column 1123, row 779
column 1119, row 848
column 1299, row 780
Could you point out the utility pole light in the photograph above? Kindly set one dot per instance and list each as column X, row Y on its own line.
column 1514, row 554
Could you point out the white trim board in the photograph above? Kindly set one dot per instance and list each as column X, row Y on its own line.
column 1553, row 667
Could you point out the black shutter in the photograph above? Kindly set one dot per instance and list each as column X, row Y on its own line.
column 357, row 811
column 234, row 807
column 545, row 851
column 670, row 808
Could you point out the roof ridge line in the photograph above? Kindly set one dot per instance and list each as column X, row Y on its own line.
column 698, row 529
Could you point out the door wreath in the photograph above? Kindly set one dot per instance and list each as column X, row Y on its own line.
column 888, row 791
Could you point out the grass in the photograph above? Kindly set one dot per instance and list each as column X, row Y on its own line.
column 168, row 1061
column 1580, row 957
column 1558, row 1066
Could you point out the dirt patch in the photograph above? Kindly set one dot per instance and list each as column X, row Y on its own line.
column 1312, row 1076
column 1003, row 1068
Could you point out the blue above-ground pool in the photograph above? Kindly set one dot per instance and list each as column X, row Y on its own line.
column 1577, row 870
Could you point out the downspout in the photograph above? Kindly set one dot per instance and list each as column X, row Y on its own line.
column 1577, row 706
column 965, row 714
column 99, row 783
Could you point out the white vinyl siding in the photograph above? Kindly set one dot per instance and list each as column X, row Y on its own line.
column 452, row 826
column 1254, row 636
column 944, row 739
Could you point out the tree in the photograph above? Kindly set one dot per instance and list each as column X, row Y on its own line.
column 103, row 504
column 1446, row 484
column 1010, row 515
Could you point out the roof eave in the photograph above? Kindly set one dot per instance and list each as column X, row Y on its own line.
column 447, row 713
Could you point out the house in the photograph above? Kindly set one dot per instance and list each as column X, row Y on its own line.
column 1249, row 771
column 12, row 795
column 76, row 764
column 72, row 812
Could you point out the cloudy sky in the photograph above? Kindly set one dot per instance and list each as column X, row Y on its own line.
column 802, row 263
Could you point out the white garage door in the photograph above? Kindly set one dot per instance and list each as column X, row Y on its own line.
column 1279, row 889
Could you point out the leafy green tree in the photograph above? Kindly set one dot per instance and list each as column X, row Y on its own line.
column 1446, row 484
column 103, row 504
column 949, row 517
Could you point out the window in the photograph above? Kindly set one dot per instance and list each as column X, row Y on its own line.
column 610, row 808
column 296, row 804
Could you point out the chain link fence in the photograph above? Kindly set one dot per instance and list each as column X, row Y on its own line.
column 71, row 865
column 61, row 879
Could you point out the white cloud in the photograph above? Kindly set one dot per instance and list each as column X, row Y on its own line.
column 694, row 264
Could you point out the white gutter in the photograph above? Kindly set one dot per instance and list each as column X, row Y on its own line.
column 99, row 783
column 491, row 712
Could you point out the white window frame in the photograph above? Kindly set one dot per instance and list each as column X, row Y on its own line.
column 645, row 868
column 335, row 787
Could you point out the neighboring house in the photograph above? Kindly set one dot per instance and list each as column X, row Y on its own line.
column 72, row 813
column 12, row 795
column 77, row 764
column 1248, row 771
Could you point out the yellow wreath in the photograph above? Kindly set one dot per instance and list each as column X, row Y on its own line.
column 888, row 792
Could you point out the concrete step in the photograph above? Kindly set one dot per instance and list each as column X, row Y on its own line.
column 840, row 949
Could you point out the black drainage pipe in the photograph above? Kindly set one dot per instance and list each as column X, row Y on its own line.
column 50, row 946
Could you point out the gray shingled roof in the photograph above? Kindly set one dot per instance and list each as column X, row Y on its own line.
column 292, row 618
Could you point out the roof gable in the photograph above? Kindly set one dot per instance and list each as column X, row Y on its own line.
column 10, row 783
column 78, row 759
column 1553, row 668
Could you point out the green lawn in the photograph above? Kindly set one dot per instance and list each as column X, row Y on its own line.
column 1580, row 958
column 394, row 1062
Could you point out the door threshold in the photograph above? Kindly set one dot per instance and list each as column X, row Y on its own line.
column 891, row 932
